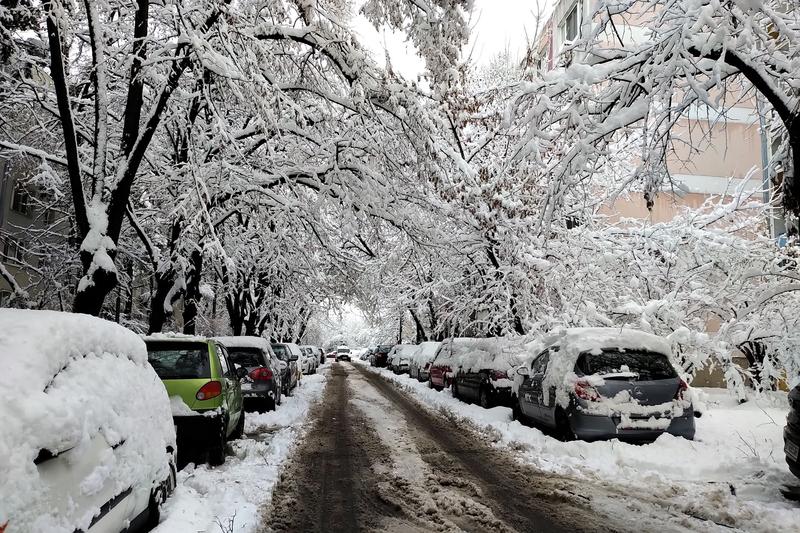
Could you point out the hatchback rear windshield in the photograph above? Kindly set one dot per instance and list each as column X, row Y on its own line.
column 281, row 351
column 173, row 360
column 647, row 365
column 247, row 357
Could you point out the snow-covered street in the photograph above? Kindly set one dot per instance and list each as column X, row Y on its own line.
column 728, row 477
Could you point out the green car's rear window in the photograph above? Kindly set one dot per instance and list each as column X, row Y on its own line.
column 174, row 360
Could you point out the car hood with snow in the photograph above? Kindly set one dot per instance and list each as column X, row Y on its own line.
column 76, row 384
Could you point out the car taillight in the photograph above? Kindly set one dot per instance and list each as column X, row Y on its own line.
column 212, row 389
column 585, row 391
column 682, row 388
column 499, row 374
column 261, row 374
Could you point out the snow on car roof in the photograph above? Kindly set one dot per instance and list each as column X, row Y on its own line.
column 580, row 340
column 244, row 342
column 425, row 351
column 35, row 345
column 491, row 353
column 174, row 336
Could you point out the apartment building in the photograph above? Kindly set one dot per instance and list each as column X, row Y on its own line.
column 727, row 155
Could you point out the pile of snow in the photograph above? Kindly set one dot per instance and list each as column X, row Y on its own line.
column 67, row 378
column 230, row 497
column 731, row 474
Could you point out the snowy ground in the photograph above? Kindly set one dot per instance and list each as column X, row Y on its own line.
column 730, row 475
column 229, row 498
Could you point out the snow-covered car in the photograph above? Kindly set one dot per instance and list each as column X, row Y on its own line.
column 87, row 442
column 400, row 358
column 421, row 360
column 482, row 367
column 605, row 383
column 262, row 386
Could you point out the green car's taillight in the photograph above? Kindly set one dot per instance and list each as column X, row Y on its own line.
column 212, row 389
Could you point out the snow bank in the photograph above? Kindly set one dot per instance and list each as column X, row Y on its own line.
column 731, row 474
column 67, row 378
column 210, row 499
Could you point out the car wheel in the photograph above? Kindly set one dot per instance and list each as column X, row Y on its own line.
column 564, row 430
column 484, row 399
column 516, row 412
column 455, row 390
column 430, row 383
column 238, row 432
column 278, row 394
column 216, row 453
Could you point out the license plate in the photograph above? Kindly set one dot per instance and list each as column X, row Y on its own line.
column 792, row 450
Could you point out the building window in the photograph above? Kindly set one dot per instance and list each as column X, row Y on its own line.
column 12, row 250
column 21, row 201
column 572, row 24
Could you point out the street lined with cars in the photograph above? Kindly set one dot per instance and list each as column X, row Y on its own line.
column 466, row 434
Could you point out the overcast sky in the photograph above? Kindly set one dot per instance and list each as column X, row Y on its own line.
column 497, row 25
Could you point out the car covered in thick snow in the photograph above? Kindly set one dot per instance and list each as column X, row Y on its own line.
column 482, row 366
column 421, row 360
column 399, row 358
column 204, row 390
column 310, row 359
column 262, row 386
column 604, row 383
column 87, row 442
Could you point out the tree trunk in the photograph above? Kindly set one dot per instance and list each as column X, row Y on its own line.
column 192, row 297
column 421, row 335
column 158, row 315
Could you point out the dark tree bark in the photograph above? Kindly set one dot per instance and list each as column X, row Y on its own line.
column 421, row 335
column 192, row 296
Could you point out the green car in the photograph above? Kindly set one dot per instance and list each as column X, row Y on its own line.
column 205, row 393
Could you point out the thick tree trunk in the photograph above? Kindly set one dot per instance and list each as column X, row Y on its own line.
column 421, row 335
column 158, row 315
column 192, row 297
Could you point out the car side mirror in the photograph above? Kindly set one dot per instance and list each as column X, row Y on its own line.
column 523, row 371
column 241, row 372
column 292, row 357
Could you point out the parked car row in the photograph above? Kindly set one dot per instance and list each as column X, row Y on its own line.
column 585, row 383
column 92, row 396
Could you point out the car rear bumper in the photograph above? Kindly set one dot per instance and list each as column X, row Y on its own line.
column 402, row 368
column 264, row 390
column 592, row 427
column 343, row 358
column 199, row 431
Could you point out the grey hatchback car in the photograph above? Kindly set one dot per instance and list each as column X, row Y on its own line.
column 262, row 386
column 623, row 386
